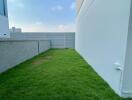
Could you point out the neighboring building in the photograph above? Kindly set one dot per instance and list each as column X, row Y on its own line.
column 4, row 27
column 15, row 30
column 104, row 39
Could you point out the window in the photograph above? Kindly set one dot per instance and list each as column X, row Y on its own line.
column 2, row 8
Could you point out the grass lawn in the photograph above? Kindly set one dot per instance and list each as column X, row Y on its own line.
column 59, row 74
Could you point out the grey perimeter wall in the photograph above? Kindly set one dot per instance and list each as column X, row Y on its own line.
column 23, row 46
column 58, row 40
column 13, row 52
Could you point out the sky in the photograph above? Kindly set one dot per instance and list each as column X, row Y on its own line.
column 42, row 15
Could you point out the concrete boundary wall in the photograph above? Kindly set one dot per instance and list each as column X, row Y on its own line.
column 14, row 52
column 58, row 39
column 23, row 46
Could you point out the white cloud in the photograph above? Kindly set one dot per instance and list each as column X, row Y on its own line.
column 73, row 6
column 20, row 5
column 36, row 27
column 66, row 28
column 38, row 23
column 40, row 27
column 16, row 3
column 12, row 1
column 58, row 7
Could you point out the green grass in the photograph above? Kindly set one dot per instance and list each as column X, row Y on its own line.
column 59, row 74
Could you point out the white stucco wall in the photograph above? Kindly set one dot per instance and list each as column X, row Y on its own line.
column 4, row 25
column 79, row 4
column 4, row 28
column 127, row 79
column 101, row 37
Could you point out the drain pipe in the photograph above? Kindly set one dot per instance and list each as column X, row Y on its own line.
column 38, row 47
column 119, row 67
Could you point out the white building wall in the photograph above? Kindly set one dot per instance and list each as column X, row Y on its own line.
column 101, row 37
column 4, row 26
column 127, row 75
column 79, row 4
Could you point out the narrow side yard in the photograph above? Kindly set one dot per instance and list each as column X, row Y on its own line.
column 58, row 74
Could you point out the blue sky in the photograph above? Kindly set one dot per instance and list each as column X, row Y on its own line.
column 42, row 15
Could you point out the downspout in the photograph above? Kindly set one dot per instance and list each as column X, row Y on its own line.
column 38, row 47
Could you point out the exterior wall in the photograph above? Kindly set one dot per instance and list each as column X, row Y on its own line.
column 127, row 79
column 101, row 38
column 79, row 4
column 58, row 40
column 23, row 46
column 4, row 27
column 14, row 52
column 43, row 45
